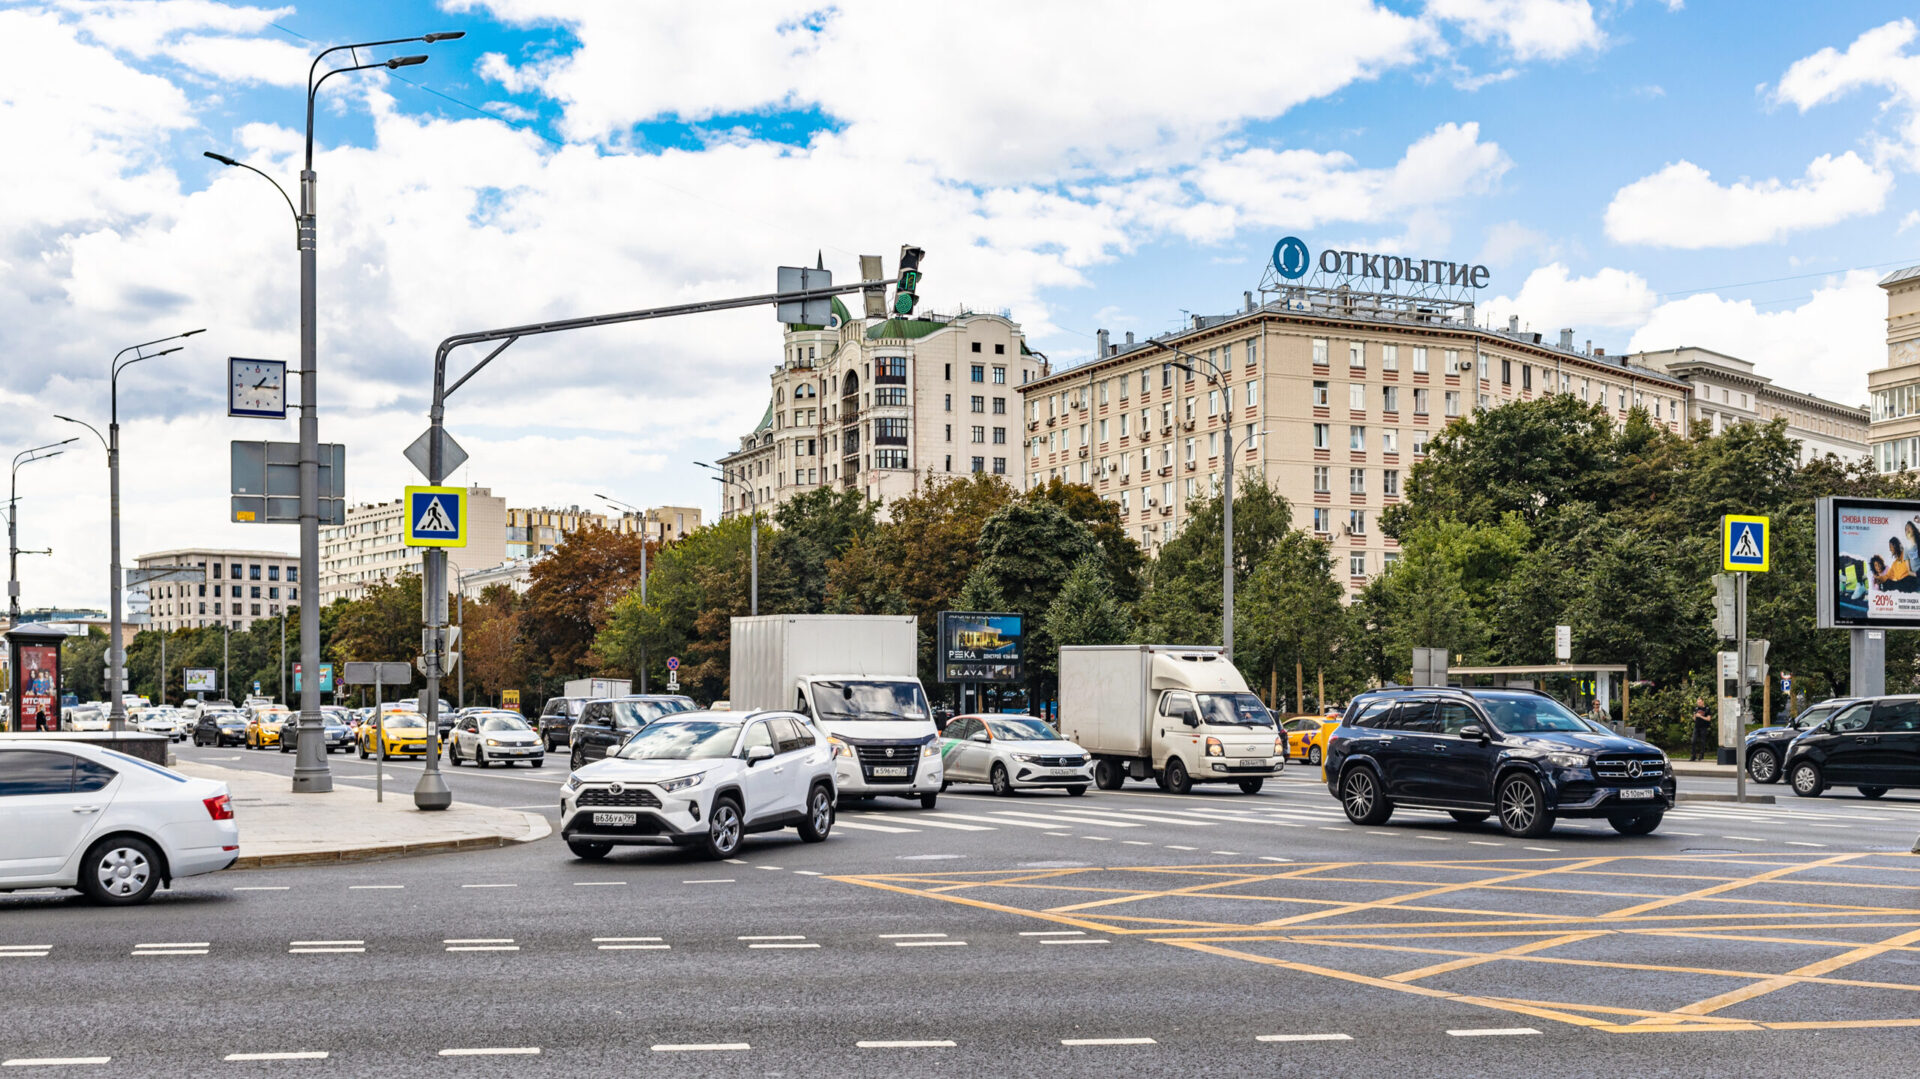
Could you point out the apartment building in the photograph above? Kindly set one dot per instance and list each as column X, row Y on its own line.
column 1894, row 430
column 535, row 532
column 882, row 406
column 370, row 546
column 233, row 588
column 1724, row 390
column 1331, row 395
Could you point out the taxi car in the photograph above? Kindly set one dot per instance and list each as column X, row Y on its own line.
column 399, row 733
column 263, row 727
column 1013, row 752
column 1307, row 737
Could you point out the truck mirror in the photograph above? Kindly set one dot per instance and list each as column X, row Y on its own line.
column 1190, row 718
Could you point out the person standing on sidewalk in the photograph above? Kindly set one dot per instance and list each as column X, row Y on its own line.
column 1702, row 728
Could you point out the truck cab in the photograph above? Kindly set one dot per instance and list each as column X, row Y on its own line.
column 882, row 733
column 1177, row 715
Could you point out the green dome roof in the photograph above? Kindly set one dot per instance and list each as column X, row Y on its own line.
column 903, row 327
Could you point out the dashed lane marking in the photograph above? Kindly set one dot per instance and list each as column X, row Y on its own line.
column 599, row 883
column 1303, row 1038
column 326, row 947
column 1176, row 846
column 1054, row 933
column 1060, row 835
column 1108, row 1041
column 275, row 1056
column 783, row 946
column 929, row 943
column 796, row 936
column 482, row 944
column 1099, row 838
column 374, row 887
column 51, row 1062
column 927, row 1044
column 1076, row 940
column 908, row 936
column 25, row 951
column 1744, row 838
column 704, row 1047
column 494, row 1051
column 1135, row 843
column 859, row 827
column 805, row 873
column 489, row 886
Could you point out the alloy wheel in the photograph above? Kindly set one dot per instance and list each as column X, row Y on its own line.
column 1763, row 767
column 822, row 811
column 725, row 828
column 1360, row 794
column 123, row 871
column 1519, row 806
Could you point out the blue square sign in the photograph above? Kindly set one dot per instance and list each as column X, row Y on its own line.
column 436, row 517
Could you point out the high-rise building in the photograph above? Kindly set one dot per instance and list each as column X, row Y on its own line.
column 881, row 406
column 233, row 588
column 1895, row 388
column 371, row 546
column 1725, row 390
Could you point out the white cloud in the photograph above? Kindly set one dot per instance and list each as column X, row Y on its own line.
column 1878, row 58
column 1912, row 219
column 1552, row 298
column 1681, row 205
column 1824, row 346
column 1529, row 29
column 1508, row 240
column 201, row 35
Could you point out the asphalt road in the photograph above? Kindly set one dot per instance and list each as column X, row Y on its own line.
column 1131, row 932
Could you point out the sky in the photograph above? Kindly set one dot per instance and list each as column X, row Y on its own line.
column 1649, row 173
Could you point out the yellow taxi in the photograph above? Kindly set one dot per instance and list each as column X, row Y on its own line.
column 263, row 726
column 1307, row 737
column 398, row 734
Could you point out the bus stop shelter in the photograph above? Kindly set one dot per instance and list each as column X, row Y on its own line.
column 1576, row 685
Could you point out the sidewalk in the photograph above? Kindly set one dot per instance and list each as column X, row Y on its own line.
column 278, row 827
column 1702, row 768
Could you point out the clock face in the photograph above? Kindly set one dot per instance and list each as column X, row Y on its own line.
column 257, row 388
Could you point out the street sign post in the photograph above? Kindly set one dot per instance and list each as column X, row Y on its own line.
column 264, row 484
column 1745, row 547
column 436, row 517
column 673, row 674
column 379, row 676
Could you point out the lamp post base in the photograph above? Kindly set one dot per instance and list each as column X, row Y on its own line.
column 315, row 781
column 432, row 792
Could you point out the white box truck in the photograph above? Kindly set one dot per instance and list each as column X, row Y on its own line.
column 1175, row 714
column 599, row 688
column 856, row 677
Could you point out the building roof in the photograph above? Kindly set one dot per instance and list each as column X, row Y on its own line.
column 224, row 552
column 766, row 421
column 908, row 328
column 1898, row 276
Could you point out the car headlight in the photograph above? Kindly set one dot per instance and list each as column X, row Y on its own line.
column 493, row 741
column 1215, row 749
column 1027, row 757
column 1570, row 760
column 572, row 784
column 682, row 783
column 931, row 749
column 841, row 749
column 1279, row 747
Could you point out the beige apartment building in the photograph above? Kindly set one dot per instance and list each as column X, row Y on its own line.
column 1725, row 390
column 882, row 406
column 234, row 588
column 1331, row 395
column 532, row 533
column 370, row 547
column 1895, row 388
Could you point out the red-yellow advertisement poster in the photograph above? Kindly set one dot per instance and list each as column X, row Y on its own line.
column 39, row 686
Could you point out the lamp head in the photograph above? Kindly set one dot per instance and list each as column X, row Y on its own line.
column 223, row 159
column 406, row 61
column 446, row 35
column 190, row 333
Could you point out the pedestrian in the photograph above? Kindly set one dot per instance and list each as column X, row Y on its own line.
column 1702, row 728
column 40, row 719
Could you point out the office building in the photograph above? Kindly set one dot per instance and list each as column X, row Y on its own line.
column 371, row 547
column 230, row 587
column 1724, row 390
column 1894, row 432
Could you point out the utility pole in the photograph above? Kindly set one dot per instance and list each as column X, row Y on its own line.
column 642, row 516
column 1216, row 377
column 24, row 457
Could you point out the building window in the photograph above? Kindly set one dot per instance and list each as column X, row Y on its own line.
column 1322, row 439
column 1322, row 479
column 978, row 403
column 976, row 346
column 235, row 574
column 1389, row 357
column 999, row 350
column 1357, row 356
column 1506, row 372
column 1213, row 402
column 979, row 464
column 1356, row 438
column 999, row 436
column 1453, row 403
column 1526, row 377
column 1356, row 481
column 999, row 374
column 1322, row 520
column 979, row 435
column 894, row 396
column 979, row 372
column 999, row 466
column 1253, row 351
column 1357, row 522
column 273, row 573
column 886, row 458
column 1253, row 394
column 293, row 573
column 1419, row 443
column 1389, row 441
column 1319, row 352
column 1390, row 398
column 1419, row 401
column 1357, row 564
column 999, row 406
column 1357, row 397
column 1319, row 394
column 890, row 367
column 1419, row 361
column 887, row 430
column 1390, row 483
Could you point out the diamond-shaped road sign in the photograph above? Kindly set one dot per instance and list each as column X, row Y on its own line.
column 451, row 455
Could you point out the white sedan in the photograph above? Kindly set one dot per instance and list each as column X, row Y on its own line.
column 1012, row 752
column 703, row 780
column 495, row 738
column 114, row 826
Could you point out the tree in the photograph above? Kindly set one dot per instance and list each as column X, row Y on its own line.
column 1027, row 551
column 1527, row 457
column 1183, row 599
column 1086, row 611
column 490, row 644
column 1290, row 614
column 1418, row 602
column 695, row 587
column 1124, row 562
column 813, row 529
column 573, row 588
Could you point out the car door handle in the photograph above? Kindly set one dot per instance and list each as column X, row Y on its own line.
column 86, row 809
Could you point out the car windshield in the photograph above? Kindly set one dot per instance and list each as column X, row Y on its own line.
column 871, row 700
column 1813, row 717
column 683, row 740
column 1523, row 715
column 403, row 721
column 641, row 713
column 503, row 723
column 1234, row 710
column 1023, row 729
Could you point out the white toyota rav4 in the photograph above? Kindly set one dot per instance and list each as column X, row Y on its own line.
column 703, row 779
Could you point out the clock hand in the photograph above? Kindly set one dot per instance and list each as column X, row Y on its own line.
column 260, row 383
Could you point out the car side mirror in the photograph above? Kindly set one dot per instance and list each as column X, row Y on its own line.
column 756, row 754
column 1474, row 731
column 979, row 736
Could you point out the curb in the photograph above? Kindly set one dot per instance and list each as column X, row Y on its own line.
column 537, row 829
column 1752, row 799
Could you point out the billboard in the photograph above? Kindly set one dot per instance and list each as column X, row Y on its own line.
column 39, row 686
column 982, row 646
column 199, row 679
column 1868, row 552
column 326, row 678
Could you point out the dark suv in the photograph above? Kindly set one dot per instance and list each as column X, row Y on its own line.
column 605, row 725
column 1872, row 745
column 556, row 720
column 1767, row 746
column 1475, row 753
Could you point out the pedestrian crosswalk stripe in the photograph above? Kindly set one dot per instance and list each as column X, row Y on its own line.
column 859, row 827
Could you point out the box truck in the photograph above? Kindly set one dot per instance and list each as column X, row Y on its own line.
column 599, row 688
column 856, row 677
column 1178, row 715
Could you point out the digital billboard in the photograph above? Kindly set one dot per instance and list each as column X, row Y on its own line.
column 1868, row 552
column 39, row 687
column 982, row 646
column 200, row 680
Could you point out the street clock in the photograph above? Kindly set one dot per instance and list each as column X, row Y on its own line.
column 257, row 388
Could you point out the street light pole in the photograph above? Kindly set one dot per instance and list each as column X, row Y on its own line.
column 643, row 572
column 311, row 774
column 460, row 619
column 24, row 457
column 1215, row 378
column 753, row 518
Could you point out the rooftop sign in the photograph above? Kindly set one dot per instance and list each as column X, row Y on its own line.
column 1292, row 261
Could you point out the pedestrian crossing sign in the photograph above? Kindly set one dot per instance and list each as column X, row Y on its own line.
column 1743, row 544
column 436, row 517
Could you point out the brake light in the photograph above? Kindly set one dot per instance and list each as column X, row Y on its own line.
column 219, row 807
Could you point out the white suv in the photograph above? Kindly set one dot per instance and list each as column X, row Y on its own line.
column 703, row 779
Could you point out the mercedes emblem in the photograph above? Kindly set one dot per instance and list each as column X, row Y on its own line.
column 1633, row 769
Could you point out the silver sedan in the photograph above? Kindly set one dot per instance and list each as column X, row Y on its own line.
column 1013, row 752
column 494, row 738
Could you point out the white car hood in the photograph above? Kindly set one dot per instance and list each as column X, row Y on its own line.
column 878, row 730
column 1051, row 748
column 641, row 771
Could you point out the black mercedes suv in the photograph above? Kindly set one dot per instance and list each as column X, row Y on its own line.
column 1476, row 753
column 1872, row 745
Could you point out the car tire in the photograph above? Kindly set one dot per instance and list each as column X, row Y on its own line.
column 724, row 829
column 1108, row 776
column 363, row 751
column 1178, row 781
column 1763, row 766
column 1076, row 792
column 480, row 758
column 589, row 850
column 1523, row 807
column 1635, row 823
column 1252, row 786
column 1872, row 792
column 1313, row 756
column 537, row 762
column 1002, row 783
column 928, row 801
column 283, row 745
column 818, row 821
column 1467, row 817
column 1806, row 780
column 120, row 871
column 1362, row 798
column 453, row 755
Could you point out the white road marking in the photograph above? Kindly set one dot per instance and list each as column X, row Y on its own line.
column 722, row 880
column 479, row 940
column 484, row 948
column 858, row 827
column 1492, row 1032
column 263, row 888
column 1087, row 940
column 929, row 943
column 1796, row 843
column 794, row 936
column 599, row 883
column 1056, row 820
column 922, row 820
column 1550, row 850
column 1054, row 933
column 736, row 861
column 805, row 873
column 783, row 945
column 321, row 943
column 908, row 936
column 1436, row 838
column 1696, row 835
column 1484, row 843
column 703, row 1048
column 1229, row 853
column 774, row 868
column 1274, row 858
column 635, row 947
column 1303, row 1038
column 325, row 951
column 1370, row 831
column 520, row 1051
column 1333, row 828
column 625, row 940
column 942, row 1044
column 1061, row 835
column 38, row 1062
column 1744, row 838
column 1176, row 846
column 489, row 886
column 1108, row 1041
column 1099, row 838
column 1135, row 843
column 275, row 1056
column 374, row 887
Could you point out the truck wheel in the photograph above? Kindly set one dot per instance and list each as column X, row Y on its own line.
column 1251, row 786
column 927, row 800
column 1178, row 782
column 1107, row 775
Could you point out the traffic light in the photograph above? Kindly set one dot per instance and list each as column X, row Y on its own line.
column 1724, row 623
column 875, row 295
column 907, row 287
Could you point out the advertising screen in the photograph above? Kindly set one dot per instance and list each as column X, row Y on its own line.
column 982, row 646
column 200, row 679
column 1869, row 553
column 39, row 686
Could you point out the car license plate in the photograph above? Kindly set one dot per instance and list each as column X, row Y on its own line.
column 894, row 770
column 616, row 820
column 1254, row 762
column 1634, row 794
column 1063, row 771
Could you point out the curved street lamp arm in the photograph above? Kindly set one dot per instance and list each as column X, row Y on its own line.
column 38, row 453
column 85, row 424
column 225, row 160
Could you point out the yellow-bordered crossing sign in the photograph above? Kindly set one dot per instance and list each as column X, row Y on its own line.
column 1745, row 544
column 436, row 517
